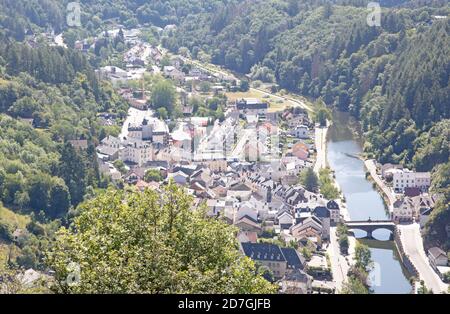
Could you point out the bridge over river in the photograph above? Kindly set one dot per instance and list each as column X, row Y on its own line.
column 370, row 226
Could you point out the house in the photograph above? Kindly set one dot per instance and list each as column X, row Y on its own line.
column 251, row 106
column 107, row 153
column 300, row 150
column 79, row 144
column 141, row 185
column 310, row 227
column 109, row 170
column 247, row 236
column 293, row 258
column 296, row 282
column 403, row 210
column 150, row 129
column 285, row 220
column 323, row 214
column 136, row 151
column 301, row 131
column 173, row 73
column 248, row 224
column 29, row 278
column 407, row 178
column 269, row 255
column 216, row 207
column 437, row 257
column 240, row 190
column 388, row 167
column 407, row 209
column 333, row 208
column 412, row 191
column 179, row 177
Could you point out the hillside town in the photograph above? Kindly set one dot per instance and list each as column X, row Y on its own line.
column 244, row 168
column 240, row 156
column 237, row 166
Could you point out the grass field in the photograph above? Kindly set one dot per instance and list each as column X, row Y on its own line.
column 275, row 104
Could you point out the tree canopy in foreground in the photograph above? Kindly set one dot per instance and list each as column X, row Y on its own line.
column 130, row 242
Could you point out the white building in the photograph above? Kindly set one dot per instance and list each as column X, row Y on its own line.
column 409, row 179
column 136, row 151
column 151, row 129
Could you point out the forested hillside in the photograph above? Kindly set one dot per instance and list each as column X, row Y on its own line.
column 48, row 96
column 379, row 74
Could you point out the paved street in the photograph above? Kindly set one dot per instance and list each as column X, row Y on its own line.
column 413, row 246
column 321, row 147
column 370, row 165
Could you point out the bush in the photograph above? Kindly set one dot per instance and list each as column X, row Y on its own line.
column 5, row 231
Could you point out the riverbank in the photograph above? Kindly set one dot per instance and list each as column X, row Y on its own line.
column 382, row 187
column 340, row 264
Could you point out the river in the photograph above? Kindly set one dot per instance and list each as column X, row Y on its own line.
column 363, row 202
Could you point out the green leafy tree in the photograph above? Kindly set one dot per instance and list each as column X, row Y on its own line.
column 309, row 179
column 354, row 286
column 163, row 95
column 150, row 242
column 73, row 170
column 363, row 256
column 153, row 175
column 59, row 202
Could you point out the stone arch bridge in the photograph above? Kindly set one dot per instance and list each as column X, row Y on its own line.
column 370, row 226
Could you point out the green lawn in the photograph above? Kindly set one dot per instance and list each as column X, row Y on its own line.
column 275, row 104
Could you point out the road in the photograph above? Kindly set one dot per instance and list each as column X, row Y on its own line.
column 321, row 147
column 413, row 246
column 370, row 165
column 294, row 102
column 340, row 264
column 224, row 73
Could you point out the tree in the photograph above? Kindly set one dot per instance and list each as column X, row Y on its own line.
column 73, row 171
column 363, row 256
column 153, row 175
column 423, row 289
column 59, row 202
column 354, row 286
column 309, row 180
column 150, row 242
column 327, row 187
column 162, row 113
column 244, row 86
column 322, row 116
column 120, row 165
column 205, row 87
column 163, row 95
